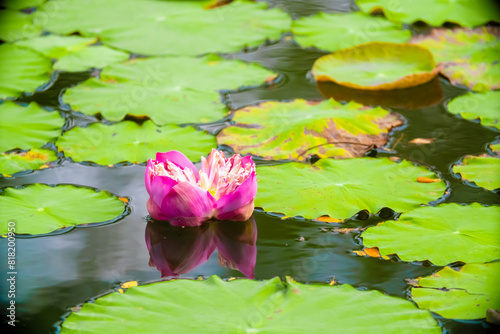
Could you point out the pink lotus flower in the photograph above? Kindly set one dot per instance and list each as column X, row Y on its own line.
column 224, row 189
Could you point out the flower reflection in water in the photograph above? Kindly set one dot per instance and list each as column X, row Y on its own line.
column 176, row 250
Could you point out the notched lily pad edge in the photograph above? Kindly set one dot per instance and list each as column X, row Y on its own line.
column 126, row 211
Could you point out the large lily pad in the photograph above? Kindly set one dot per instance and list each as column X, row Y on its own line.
column 483, row 171
column 339, row 31
column 39, row 208
column 464, row 12
column 128, row 141
column 255, row 306
column 168, row 89
column 442, row 235
column 482, row 106
column 13, row 162
column 16, row 25
column 296, row 130
column 72, row 53
column 27, row 127
column 467, row 57
column 341, row 188
column 167, row 27
column 377, row 66
column 22, row 70
column 464, row 294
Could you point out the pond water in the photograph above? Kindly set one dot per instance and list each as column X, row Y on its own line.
column 57, row 272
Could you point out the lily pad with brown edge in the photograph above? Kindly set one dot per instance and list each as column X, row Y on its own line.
column 343, row 30
column 41, row 209
column 484, row 107
column 342, row 188
column 27, row 127
column 484, row 171
column 168, row 90
column 167, row 27
column 129, row 141
column 298, row 129
column 425, row 95
column 464, row 293
column 22, row 71
column 377, row 66
column 464, row 12
column 268, row 306
column 465, row 56
column 444, row 234
column 14, row 162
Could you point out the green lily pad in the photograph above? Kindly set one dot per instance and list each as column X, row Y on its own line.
column 167, row 27
column 22, row 70
column 466, row 57
column 341, row 188
column 269, row 306
column 495, row 148
column 22, row 4
column 129, row 141
column 27, row 127
column 16, row 25
column 483, row 171
column 296, row 130
column 72, row 52
column 377, row 66
column 167, row 89
column 464, row 294
column 482, row 106
column 464, row 12
column 13, row 162
column 40, row 209
column 442, row 235
column 343, row 30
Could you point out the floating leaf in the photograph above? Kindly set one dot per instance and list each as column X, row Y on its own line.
column 482, row 106
column 468, row 57
column 167, row 27
column 343, row 30
column 483, row 171
column 27, row 127
column 73, row 53
column 442, row 235
column 40, row 209
column 128, row 141
column 16, row 25
column 269, row 306
column 341, row 188
column 377, row 66
column 22, row 70
column 296, row 130
column 463, row 294
column 11, row 163
column 464, row 12
column 22, row 4
column 167, row 89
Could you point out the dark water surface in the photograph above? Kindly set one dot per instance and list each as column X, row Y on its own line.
column 57, row 272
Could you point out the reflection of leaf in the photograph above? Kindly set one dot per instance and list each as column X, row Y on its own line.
column 468, row 57
column 27, row 127
column 465, row 12
column 483, row 171
column 341, row 188
column 270, row 306
column 377, row 66
column 298, row 129
column 463, row 294
column 167, row 27
column 343, row 30
column 482, row 106
column 14, row 162
column 39, row 209
column 129, row 141
column 442, row 235
column 167, row 89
